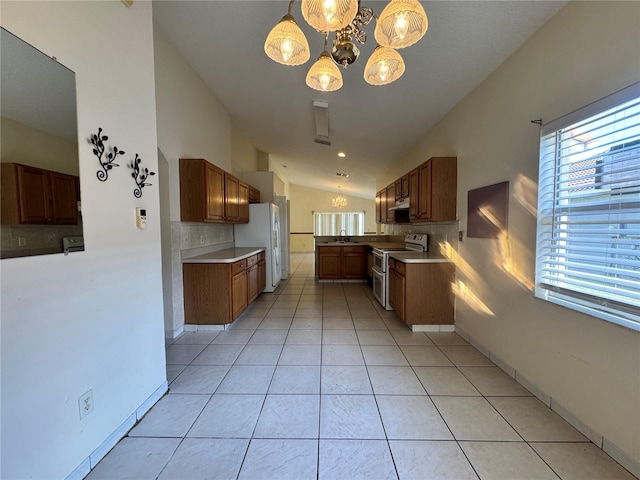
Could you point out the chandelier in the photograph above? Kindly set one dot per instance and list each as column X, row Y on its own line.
column 339, row 201
column 401, row 24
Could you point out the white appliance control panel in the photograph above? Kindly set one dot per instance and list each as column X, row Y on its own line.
column 141, row 217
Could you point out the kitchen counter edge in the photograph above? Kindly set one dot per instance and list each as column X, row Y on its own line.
column 417, row 257
column 228, row 255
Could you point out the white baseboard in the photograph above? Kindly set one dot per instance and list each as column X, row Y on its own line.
column 175, row 333
column 433, row 328
column 203, row 328
column 105, row 447
column 620, row 456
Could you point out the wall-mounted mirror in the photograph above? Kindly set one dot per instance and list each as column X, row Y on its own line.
column 40, row 204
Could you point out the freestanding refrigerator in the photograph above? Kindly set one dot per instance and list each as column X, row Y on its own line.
column 263, row 230
column 285, row 262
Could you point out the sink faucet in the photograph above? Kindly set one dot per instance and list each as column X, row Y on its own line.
column 341, row 237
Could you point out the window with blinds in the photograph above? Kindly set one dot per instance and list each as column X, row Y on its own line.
column 588, row 236
column 332, row 224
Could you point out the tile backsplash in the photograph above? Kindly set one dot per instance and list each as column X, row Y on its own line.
column 36, row 239
column 438, row 232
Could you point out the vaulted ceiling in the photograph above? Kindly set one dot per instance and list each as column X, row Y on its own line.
column 223, row 42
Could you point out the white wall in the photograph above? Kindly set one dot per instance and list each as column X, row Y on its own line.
column 589, row 367
column 304, row 200
column 192, row 123
column 90, row 320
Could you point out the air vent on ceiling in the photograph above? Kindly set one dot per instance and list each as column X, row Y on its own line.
column 322, row 141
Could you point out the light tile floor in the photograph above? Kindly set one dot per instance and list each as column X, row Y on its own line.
column 317, row 381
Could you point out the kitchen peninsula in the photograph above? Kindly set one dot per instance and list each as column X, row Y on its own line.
column 220, row 285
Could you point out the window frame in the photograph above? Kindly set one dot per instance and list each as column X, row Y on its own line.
column 551, row 220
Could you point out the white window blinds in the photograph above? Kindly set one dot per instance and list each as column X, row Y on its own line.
column 332, row 224
column 588, row 246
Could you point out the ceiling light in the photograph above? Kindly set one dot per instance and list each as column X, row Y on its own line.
column 286, row 44
column 384, row 66
column 342, row 154
column 339, row 201
column 324, row 74
column 401, row 24
column 329, row 15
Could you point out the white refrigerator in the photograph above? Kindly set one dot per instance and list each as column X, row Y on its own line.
column 285, row 256
column 263, row 230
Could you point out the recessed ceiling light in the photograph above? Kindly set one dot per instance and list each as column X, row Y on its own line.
column 342, row 154
column 344, row 175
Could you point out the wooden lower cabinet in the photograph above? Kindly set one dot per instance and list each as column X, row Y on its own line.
column 342, row 262
column 329, row 263
column 217, row 293
column 420, row 293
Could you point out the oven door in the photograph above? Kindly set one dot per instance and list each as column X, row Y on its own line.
column 378, row 261
column 379, row 285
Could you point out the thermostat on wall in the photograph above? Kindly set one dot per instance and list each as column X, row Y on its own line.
column 141, row 217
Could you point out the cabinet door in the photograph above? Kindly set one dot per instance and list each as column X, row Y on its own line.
column 414, row 194
column 399, row 293
column 243, row 202
column 214, row 193
column 391, row 288
column 262, row 276
column 424, row 189
column 253, row 283
column 354, row 262
column 404, row 182
column 380, row 209
column 391, row 201
column 34, row 195
column 444, row 184
column 238, row 294
column 398, row 189
column 329, row 262
column 64, row 195
column 231, row 193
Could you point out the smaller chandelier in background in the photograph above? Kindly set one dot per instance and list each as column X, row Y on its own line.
column 339, row 201
column 401, row 24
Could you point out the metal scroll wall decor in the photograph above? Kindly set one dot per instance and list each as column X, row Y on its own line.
column 97, row 140
column 139, row 175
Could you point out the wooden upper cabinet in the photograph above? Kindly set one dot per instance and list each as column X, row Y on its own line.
column 231, row 196
column 201, row 191
column 243, row 202
column 64, row 198
column 254, row 195
column 433, row 190
column 390, row 202
column 209, row 194
column 401, row 186
column 380, row 209
column 32, row 195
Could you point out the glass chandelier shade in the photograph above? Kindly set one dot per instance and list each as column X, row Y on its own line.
column 384, row 66
column 286, row 44
column 324, row 75
column 329, row 15
column 401, row 24
column 339, row 201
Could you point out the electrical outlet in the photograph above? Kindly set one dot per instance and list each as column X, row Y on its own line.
column 201, row 238
column 85, row 404
column 52, row 238
column 460, row 235
column 22, row 242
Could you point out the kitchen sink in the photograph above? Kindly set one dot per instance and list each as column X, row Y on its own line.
column 339, row 242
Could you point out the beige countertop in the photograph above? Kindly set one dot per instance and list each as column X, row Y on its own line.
column 418, row 257
column 228, row 255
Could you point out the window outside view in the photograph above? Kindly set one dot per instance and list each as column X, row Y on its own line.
column 589, row 215
column 336, row 224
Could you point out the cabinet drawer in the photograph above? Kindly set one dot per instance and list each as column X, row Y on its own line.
column 261, row 256
column 358, row 249
column 329, row 250
column 252, row 260
column 401, row 268
column 392, row 263
column 238, row 267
